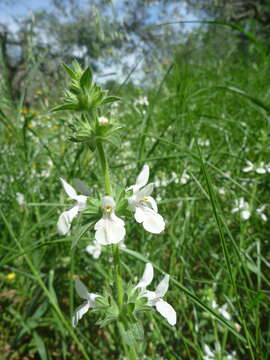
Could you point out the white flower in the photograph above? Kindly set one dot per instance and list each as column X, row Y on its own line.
column 103, row 121
column 209, row 354
column 144, row 205
column 260, row 212
column 89, row 303
column 20, row 198
column 243, row 207
column 267, row 167
column 94, row 250
column 222, row 310
column 221, row 191
column 110, row 229
column 142, row 101
column 259, row 169
column 203, row 142
column 65, row 219
column 184, row 178
column 154, row 298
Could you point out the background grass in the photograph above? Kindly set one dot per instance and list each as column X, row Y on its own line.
column 212, row 255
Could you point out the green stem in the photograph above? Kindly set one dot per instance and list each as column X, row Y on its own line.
column 117, row 276
column 105, row 168
column 116, row 255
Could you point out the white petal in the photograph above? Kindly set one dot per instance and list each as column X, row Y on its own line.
column 81, row 289
column 139, row 214
column 143, row 177
column 109, row 232
column 79, row 312
column 65, row 220
column 145, row 192
column 167, row 311
column 153, row 203
column 247, row 169
column 116, row 219
column 162, row 287
column 245, row 214
column 71, row 192
column 263, row 217
column 81, row 202
column 147, row 277
column 108, row 201
column 153, row 222
column 94, row 250
column 260, row 171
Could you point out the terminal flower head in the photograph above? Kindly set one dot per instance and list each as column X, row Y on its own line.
column 66, row 218
column 155, row 298
column 89, row 303
column 144, row 205
column 110, row 229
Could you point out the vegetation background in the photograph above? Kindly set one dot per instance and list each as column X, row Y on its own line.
column 207, row 79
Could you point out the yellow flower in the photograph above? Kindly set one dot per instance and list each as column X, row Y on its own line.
column 34, row 112
column 54, row 127
column 11, row 276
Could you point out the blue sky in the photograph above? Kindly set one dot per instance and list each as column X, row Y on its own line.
column 17, row 10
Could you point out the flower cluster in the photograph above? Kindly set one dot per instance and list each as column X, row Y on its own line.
column 110, row 229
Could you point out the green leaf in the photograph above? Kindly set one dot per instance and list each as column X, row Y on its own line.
column 70, row 72
column 253, row 99
column 80, row 234
column 110, row 99
column 40, row 346
column 86, row 77
column 65, row 107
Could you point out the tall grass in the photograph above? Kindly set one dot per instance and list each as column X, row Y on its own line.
column 212, row 254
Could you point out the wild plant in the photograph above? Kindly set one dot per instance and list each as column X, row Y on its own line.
column 121, row 301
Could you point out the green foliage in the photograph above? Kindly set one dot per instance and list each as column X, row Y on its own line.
column 211, row 254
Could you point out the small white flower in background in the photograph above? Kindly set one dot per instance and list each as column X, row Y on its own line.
column 142, row 100
column 203, row 142
column 267, row 167
column 144, row 205
column 103, row 121
column 209, row 354
column 184, row 178
column 222, row 310
column 259, row 169
column 65, row 219
column 260, row 212
column 110, row 229
column 240, row 205
column 89, row 303
column 94, row 250
column 20, row 198
column 155, row 298
column 221, row 191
